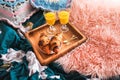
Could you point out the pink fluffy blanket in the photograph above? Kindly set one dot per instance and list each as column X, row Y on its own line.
column 99, row 20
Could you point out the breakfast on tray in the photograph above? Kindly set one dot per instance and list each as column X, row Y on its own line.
column 50, row 45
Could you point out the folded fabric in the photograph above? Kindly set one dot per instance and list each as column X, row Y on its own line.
column 10, row 39
column 25, row 67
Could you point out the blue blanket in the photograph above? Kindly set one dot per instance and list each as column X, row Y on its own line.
column 19, row 71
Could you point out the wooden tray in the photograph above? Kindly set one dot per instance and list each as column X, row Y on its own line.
column 33, row 37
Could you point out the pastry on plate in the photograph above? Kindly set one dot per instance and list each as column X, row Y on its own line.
column 52, row 45
column 56, row 42
column 44, row 43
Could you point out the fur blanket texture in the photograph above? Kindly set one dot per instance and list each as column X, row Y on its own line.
column 99, row 21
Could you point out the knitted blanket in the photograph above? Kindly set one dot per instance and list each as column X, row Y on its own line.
column 15, row 12
column 52, row 5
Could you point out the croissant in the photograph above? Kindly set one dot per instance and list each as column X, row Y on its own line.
column 50, row 45
column 43, row 40
column 56, row 42
column 46, row 49
column 44, row 44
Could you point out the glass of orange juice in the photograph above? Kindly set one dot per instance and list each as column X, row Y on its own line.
column 50, row 18
column 64, row 19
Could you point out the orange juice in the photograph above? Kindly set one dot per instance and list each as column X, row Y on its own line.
column 64, row 17
column 50, row 18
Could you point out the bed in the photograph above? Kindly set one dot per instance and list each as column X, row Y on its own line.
column 97, row 58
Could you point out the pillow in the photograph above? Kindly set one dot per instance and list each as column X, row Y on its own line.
column 52, row 5
column 15, row 12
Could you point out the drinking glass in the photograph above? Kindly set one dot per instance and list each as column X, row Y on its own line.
column 64, row 19
column 50, row 19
